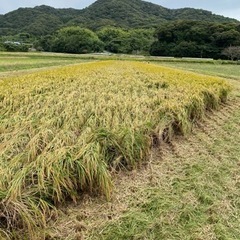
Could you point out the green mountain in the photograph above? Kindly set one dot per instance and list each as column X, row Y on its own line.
column 44, row 20
column 137, row 13
column 40, row 20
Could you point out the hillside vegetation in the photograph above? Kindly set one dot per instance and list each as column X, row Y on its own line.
column 43, row 20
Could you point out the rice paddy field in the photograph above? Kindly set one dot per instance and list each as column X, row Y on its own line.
column 214, row 68
column 124, row 131
column 11, row 63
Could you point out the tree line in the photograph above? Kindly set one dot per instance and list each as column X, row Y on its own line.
column 177, row 39
column 195, row 39
column 111, row 39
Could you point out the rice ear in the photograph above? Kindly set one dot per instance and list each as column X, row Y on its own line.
column 64, row 130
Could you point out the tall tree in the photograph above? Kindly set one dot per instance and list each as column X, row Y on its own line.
column 76, row 40
column 232, row 52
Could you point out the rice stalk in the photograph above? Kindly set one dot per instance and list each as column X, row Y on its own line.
column 62, row 132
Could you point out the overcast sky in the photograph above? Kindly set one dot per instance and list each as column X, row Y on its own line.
column 228, row 8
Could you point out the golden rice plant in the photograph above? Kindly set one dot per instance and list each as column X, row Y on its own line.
column 63, row 131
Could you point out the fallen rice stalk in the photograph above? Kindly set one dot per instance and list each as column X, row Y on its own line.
column 62, row 131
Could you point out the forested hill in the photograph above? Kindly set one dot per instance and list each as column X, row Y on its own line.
column 40, row 20
column 137, row 13
column 43, row 20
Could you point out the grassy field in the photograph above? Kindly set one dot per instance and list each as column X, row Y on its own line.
column 12, row 62
column 61, row 137
column 214, row 68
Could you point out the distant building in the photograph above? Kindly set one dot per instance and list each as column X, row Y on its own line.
column 11, row 42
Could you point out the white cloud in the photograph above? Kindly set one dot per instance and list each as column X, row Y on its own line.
column 233, row 13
